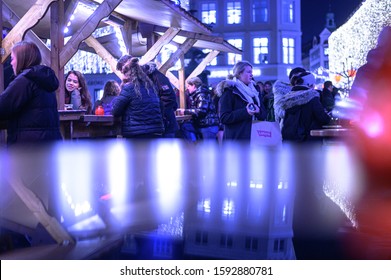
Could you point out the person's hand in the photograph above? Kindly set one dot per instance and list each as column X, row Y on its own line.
column 252, row 109
column 180, row 112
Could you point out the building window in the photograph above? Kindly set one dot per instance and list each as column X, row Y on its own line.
column 162, row 248
column 261, row 50
column 288, row 11
column 208, row 13
column 233, row 58
column 279, row 246
column 260, row 11
column 201, row 238
column 251, row 243
column 288, row 50
column 226, row 241
column 234, row 12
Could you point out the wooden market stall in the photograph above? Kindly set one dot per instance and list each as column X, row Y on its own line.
column 43, row 21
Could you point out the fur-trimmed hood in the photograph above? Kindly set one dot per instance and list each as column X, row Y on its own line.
column 280, row 89
column 223, row 85
column 297, row 96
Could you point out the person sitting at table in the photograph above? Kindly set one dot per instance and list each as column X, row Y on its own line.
column 303, row 110
column 205, row 121
column 110, row 91
column 29, row 103
column 76, row 92
column 138, row 104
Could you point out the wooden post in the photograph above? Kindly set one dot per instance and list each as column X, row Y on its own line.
column 57, row 43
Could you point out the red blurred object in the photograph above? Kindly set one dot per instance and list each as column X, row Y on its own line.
column 99, row 111
column 352, row 72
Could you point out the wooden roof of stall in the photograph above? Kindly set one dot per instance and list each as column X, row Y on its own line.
column 160, row 22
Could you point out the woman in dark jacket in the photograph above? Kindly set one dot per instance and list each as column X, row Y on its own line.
column 302, row 109
column 29, row 102
column 138, row 104
column 239, row 103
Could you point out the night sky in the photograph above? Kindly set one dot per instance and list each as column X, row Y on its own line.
column 313, row 14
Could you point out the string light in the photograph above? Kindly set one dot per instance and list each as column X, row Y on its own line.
column 350, row 43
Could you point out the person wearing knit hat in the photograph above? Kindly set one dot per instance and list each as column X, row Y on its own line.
column 296, row 71
column 301, row 110
column 304, row 78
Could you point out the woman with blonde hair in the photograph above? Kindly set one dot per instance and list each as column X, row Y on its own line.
column 240, row 102
column 138, row 104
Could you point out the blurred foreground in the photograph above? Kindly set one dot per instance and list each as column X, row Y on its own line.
column 116, row 199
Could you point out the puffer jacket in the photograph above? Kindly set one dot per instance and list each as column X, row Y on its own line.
column 202, row 108
column 29, row 104
column 303, row 113
column 233, row 112
column 140, row 115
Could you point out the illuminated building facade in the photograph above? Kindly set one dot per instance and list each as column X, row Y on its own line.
column 267, row 31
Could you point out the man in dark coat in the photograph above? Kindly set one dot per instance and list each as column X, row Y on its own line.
column 167, row 97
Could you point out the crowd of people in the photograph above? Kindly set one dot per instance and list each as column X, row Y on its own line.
column 148, row 104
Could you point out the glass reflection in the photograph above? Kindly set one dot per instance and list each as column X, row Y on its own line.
column 168, row 199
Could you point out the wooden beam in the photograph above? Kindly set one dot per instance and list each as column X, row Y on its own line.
column 13, row 19
column 35, row 205
column 155, row 49
column 103, row 10
column 173, row 79
column 184, row 48
column 192, row 35
column 201, row 67
column 181, row 75
column 127, row 31
column 57, row 43
column 28, row 21
column 104, row 54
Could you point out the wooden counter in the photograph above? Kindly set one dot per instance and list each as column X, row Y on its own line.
column 76, row 124
column 332, row 132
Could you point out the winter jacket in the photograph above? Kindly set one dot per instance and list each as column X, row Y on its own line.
column 140, row 115
column 167, row 97
column 233, row 112
column 327, row 99
column 29, row 104
column 202, row 108
column 280, row 89
column 106, row 103
column 303, row 113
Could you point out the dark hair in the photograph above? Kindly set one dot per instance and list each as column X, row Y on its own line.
column 111, row 88
column 327, row 84
column 296, row 71
column 122, row 61
column 298, row 79
column 84, row 92
column 27, row 54
column 133, row 73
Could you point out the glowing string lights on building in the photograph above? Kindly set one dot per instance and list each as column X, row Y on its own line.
column 350, row 43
